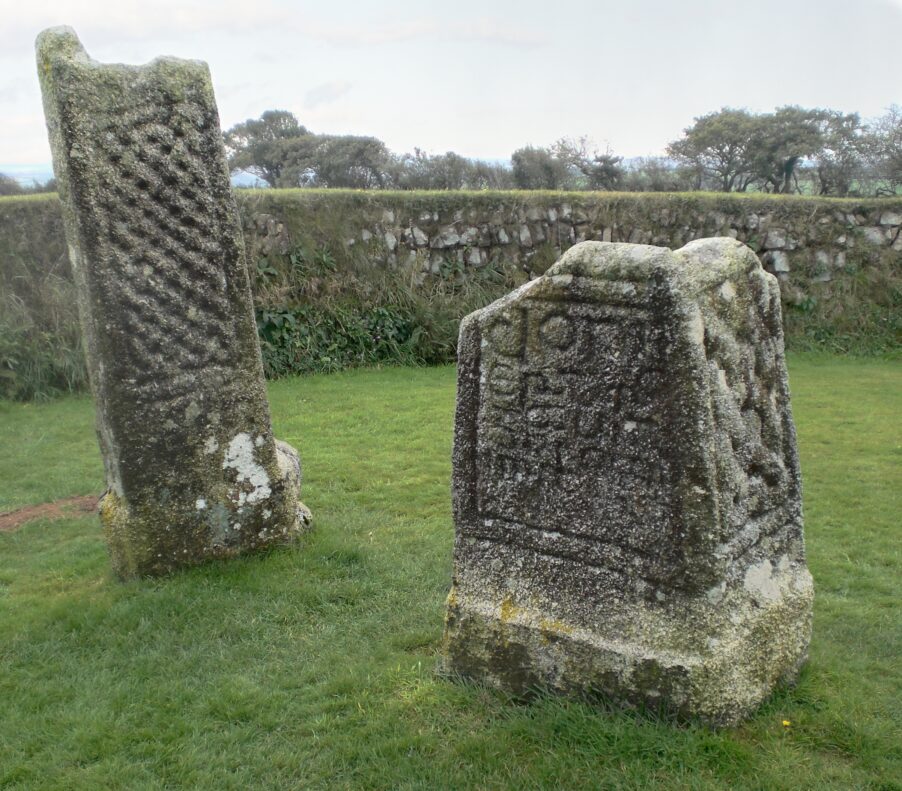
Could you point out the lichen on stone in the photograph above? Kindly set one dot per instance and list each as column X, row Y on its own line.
column 164, row 302
column 626, row 488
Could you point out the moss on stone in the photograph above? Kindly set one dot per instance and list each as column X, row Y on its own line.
column 164, row 302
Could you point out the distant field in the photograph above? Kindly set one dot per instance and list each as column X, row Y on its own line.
column 313, row 667
column 29, row 175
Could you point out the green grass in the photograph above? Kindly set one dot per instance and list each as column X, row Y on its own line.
column 313, row 667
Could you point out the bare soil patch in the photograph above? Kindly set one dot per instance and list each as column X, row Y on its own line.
column 68, row 506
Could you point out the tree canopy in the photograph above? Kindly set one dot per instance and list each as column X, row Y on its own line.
column 884, row 147
column 720, row 145
column 261, row 145
column 792, row 149
column 9, row 186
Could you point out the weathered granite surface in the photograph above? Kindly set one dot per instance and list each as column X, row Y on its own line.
column 627, row 496
column 192, row 468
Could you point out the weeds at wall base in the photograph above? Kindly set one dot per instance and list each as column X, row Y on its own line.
column 36, row 366
column 325, row 303
column 319, row 328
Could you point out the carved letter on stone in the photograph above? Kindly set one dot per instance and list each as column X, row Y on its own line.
column 627, row 497
column 193, row 471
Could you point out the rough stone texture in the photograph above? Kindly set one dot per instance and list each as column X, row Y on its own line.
column 192, row 469
column 627, row 497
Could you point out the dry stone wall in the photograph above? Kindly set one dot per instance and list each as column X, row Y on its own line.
column 839, row 262
column 815, row 238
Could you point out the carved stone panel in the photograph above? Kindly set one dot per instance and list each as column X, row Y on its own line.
column 155, row 244
column 624, row 460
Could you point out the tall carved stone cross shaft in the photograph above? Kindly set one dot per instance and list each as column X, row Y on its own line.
column 193, row 471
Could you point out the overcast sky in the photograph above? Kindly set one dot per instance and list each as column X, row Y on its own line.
column 480, row 77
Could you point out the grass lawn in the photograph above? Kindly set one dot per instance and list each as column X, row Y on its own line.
column 312, row 667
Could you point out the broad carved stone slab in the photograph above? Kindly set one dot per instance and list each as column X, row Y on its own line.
column 626, row 487
column 192, row 468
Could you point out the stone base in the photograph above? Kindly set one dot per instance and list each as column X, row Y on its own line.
column 731, row 655
column 162, row 537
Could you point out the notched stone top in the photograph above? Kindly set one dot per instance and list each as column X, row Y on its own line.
column 61, row 45
column 614, row 261
column 701, row 264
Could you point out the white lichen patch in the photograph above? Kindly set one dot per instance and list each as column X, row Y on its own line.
column 201, row 504
column 562, row 280
column 211, row 445
column 722, row 380
column 727, row 291
column 697, row 329
column 240, row 457
column 760, row 583
column 716, row 594
column 74, row 258
column 259, row 441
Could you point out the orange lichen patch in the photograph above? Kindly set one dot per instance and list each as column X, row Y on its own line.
column 508, row 609
column 69, row 506
column 555, row 627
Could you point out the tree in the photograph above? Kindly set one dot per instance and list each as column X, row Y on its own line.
column 840, row 161
column 349, row 161
column 588, row 168
column 884, row 151
column 9, row 186
column 719, row 145
column 539, row 169
column 298, row 162
column 260, row 146
column 490, row 176
column 603, row 171
column 658, row 174
column 422, row 171
column 282, row 152
column 781, row 141
column 449, row 171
